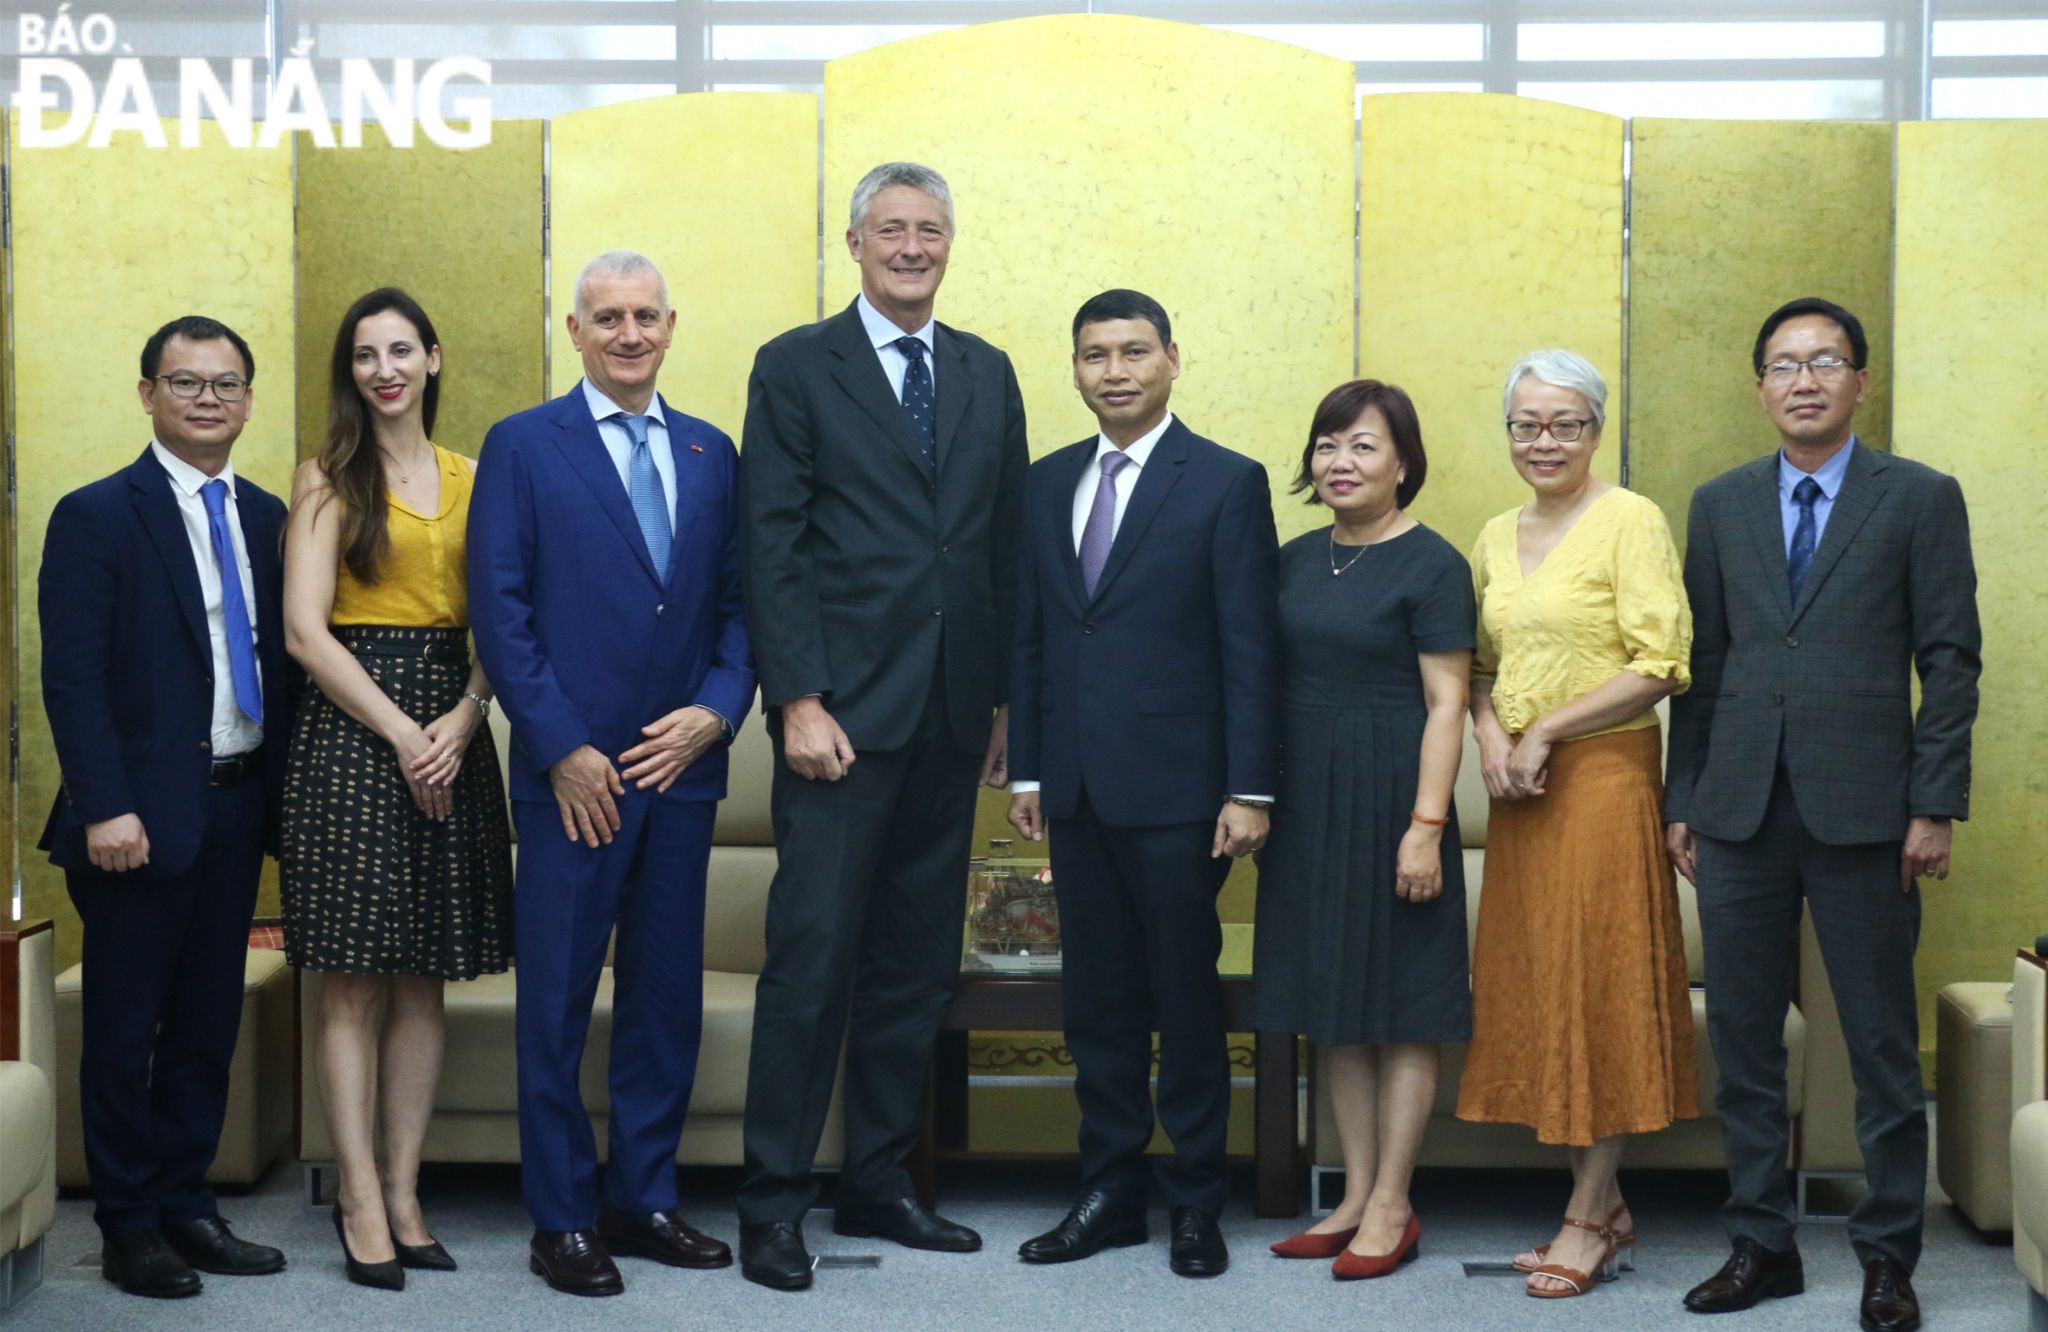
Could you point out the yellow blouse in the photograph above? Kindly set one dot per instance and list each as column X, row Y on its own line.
column 1610, row 596
column 422, row 583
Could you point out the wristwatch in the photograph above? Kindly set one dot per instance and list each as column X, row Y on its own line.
column 483, row 705
column 1250, row 803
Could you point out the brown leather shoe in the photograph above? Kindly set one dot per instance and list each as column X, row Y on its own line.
column 1889, row 1304
column 1751, row 1273
column 574, row 1262
column 662, row 1236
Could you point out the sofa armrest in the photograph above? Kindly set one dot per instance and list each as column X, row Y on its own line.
column 2029, row 1030
column 28, row 1054
column 28, row 993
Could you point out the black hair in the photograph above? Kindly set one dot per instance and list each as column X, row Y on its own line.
column 194, row 328
column 1859, row 346
column 1123, row 303
column 1346, row 403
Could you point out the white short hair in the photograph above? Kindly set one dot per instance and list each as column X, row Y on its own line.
column 898, row 173
column 1562, row 369
column 616, row 264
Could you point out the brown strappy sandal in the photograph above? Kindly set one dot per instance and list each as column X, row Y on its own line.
column 1624, row 1240
column 1578, row 1282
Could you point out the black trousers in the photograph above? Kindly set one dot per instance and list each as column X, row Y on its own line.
column 1749, row 897
column 864, row 937
column 163, row 969
column 1140, row 936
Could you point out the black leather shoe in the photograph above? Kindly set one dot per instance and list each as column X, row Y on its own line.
column 574, row 1262
column 210, row 1246
column 772, row 1254
column 1094, row 1223
column 387, row 1275
column 1198, row 1249
column 428, row 1257
column 142, row 1262
column 662, row 1236
column 1751, row 1273
column 1889, row 1304
column 906, row 1221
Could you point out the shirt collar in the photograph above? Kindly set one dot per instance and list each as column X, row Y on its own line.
column 187, row 478
column 1828, row 478
column 1141, row 449
column 602, row 406
column 882, row 331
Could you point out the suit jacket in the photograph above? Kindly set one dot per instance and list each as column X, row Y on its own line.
column 1159, row 694
column 128, row 663
column 861, row 571
column 583, row 643
column 1892, row 588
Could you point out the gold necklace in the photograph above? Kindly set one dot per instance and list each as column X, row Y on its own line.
column 1334, row 569
column 405, row 477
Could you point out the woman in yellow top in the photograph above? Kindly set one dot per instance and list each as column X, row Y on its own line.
column 397, row 869
column 1582, row 1028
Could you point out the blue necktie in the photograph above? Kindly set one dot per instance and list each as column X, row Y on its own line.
column 241, row 641
column 644, row 489
column 919, row 403
column 1800, row 558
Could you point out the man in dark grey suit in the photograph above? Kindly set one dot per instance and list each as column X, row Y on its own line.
column 883, row 483
column 1820, row 577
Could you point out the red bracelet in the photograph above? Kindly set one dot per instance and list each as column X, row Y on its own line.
column 1418, row 816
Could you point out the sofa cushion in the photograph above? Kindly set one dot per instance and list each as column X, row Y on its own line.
column 2030, row 1192
column 736, row 907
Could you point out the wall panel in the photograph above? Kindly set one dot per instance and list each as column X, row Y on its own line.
column 1729, row 220
column 1972, row 311
column 109, row 244
column 461, row 231
column 1489, row 226
column 720, row 191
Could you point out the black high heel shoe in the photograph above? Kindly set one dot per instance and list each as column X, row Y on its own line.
column 428, row 1257
column 387, row 1275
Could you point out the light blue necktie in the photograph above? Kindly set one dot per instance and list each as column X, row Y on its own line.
column 643, row 488
column 234, row 610
column 1800, row 558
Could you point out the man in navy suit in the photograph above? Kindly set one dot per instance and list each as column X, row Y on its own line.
column 165, row 678
column 1144, row 693
column 604, row 590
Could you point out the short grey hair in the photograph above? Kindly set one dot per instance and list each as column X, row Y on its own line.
column 616, row 264
column 890, row 174
column 1561, row 369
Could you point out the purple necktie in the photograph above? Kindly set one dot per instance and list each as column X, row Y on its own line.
column 1101, row 528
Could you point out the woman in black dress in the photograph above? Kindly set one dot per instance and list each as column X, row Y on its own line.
column 1361, row 920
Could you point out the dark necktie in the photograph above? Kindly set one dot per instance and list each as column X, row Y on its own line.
column 1800, row 559
column 643, row 488
column 920, row 406
column 234, row 610
column 1101, row 529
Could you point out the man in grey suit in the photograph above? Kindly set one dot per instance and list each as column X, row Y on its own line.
column 882, row 482
column 1820, row 577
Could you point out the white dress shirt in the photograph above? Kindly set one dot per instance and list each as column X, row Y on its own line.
column 618, row 442
column 232, row 733
column 883, row 333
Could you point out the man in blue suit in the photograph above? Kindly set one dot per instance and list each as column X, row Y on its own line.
column 1144, row 694
column 170, row 702
column 604, row 590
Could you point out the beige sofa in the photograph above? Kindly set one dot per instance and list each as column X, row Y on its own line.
column 2029, row 1139
column 28, row 1103
column 261, row 1076
column 476, row 1109
column 1973, row 1086
column 1821, row 1096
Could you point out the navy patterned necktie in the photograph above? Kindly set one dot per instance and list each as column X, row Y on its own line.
column 920, row 404
column 1800, row 559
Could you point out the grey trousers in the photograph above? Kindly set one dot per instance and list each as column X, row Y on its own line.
column 1749, row 899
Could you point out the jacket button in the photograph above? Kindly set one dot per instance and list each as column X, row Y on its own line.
column 938, row 610
column 1778, row 699
column 1088, row 628
column 659, row 609
column 206, row 745
column 1791, row 641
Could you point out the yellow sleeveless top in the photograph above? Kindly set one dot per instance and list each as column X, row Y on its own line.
column 422, row 583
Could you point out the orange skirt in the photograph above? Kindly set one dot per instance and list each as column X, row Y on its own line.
column 1581, row 1024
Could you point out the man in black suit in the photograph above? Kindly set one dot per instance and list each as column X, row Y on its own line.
column 883, row 467
column 1821, row 576
column 1144, row 692
column 170, row 703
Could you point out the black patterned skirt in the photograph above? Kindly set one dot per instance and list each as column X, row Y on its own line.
column 370, row 884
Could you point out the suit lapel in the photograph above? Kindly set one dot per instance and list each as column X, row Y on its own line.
column 1059, row 518
column 955, row 385
column 1765, row 519
column 1155, row 479
column 1862, row 488
column 860, row 376
column 158, row 507
column 583, row 449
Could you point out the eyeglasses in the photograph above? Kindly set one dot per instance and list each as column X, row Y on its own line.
column 1823, row 367
column 228, row 388
column 1564, row 430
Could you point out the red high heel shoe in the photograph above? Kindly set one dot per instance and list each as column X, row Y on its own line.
column 1306, row 1245
column 1360, row 1267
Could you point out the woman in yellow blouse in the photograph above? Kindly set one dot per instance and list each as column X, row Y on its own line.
column 1582, row 1027
column 397, row 870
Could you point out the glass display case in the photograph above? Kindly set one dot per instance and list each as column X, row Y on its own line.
column 1013, row 920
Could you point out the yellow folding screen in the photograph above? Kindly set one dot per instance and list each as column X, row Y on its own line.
column 109, row 244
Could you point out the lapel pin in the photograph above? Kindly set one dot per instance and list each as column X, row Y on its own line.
column 696, row 448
